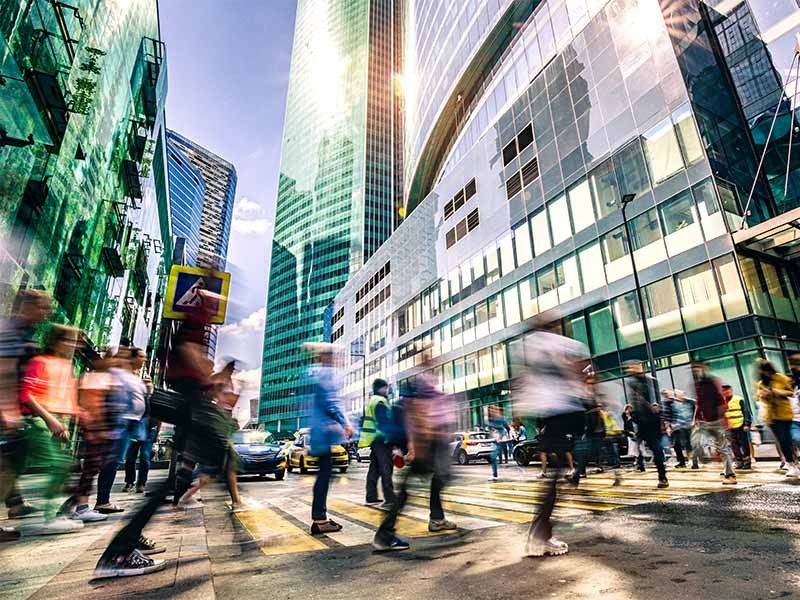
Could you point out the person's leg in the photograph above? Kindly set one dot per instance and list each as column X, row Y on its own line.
column 183, row 479
column 373, row 473
column 108, row 472
column 541, row 528
column 723, row 448
column 677, row 443
column 652, row 439
column 796, row 435
column 386, row 530
column 319, row 506
column 582, row 450
column 130, row 462
column 494, row 458
column 385, row 468
column 782, row 432
column 145, row 456
column 543, row 459
column 233, row 484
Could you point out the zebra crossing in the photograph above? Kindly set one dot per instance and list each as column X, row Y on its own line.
column 280, row 525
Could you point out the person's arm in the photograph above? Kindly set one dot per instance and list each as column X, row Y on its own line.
column 748, row 416
column 331, row 405
column 382, row 416
column 10, row 417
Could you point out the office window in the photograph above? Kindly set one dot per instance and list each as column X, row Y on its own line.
column 601, row 328
column 580, row 205
column 699, row 298
column 559, row 220
column 506, row 254
column 522, row 242
column 495, row 313
column 631, row 170
column 687, row 134
column 481, row 320
column 547, row 286
column 478, row 272
column 455, row 286
column 645, row 233
column 525, row 137
column 568, row 278
column 500, row 370
column 661, row 306
column 575, row 328
column 709, row 210
column 458, row 375
column 680, row 222
column 444, row 295
column 447, row 342
column 466, row 279
column 628, row 320
column 471, row 371
column 615, row 254
column 733, row 299
column 485, row 366
column 468, row 333
column 755, row 288
column 662, row 151
column 527, row 292
column 541, row 233
column 779, row 291
column 509, row 152
column 456, row 329
column 511, row 305
column 592, row 269
column 605, row 192
column 492, row 265
column 447, row 378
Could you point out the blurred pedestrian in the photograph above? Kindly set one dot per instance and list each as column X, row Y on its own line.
column 738, row 419
column 49, row 398
column 497, row 427
column 522, row 433
column 592, row 442
column 329, row 427
column 709, row 418
column 141, row 451
column 646, row 413
column 17, row 346
column 551, row 387
column 429, row 421
column 377, row 417
column 794, row 365
column 635, row 445
column 679, row 420
column 775, row 390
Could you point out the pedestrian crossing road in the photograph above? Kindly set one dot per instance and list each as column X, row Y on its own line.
column 280, row 519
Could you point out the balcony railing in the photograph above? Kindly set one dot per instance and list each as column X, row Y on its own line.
column 149, row 80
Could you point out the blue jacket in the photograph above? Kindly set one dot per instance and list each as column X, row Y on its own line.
column 327, row 417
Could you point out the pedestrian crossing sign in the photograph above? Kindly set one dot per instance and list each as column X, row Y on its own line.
column 190, row 287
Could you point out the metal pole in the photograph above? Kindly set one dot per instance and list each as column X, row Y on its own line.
column 793, row 103
column 640, row 301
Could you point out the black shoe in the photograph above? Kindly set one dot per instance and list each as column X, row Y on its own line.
column 8, row 534
column 23, row 510
column 128, row 488
column 147, row 546
column 395, row 543
column 127, row 566
column 326, row 527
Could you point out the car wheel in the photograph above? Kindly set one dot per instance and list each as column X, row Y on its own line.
column 342, row 469
column 521, row 457
column 303, row 469
column 463, row 459
column 279, row 475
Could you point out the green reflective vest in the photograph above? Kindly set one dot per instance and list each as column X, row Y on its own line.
column 369, row 429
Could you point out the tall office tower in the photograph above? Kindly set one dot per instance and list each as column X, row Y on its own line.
column 220, row 179
column 187, row 190
column 337, row 188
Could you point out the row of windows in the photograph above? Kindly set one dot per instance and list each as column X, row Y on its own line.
column 376, row 301
column 461, row 197
column 376, row 278
column 518, row 144
column 525, row 176
column 465, row 226
column 337, row 316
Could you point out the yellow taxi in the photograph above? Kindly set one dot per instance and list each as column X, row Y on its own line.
column 297, row 456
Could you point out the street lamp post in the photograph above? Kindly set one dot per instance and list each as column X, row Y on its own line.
column 627, row 199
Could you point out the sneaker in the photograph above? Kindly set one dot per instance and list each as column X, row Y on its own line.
column 140, row 489
column 493, row 479
column 662, row 483
column 551, row 547
column 729, row 480
column 128, row 488
column 746, row 467
column 372, row 502
column 387, row 506
column 108, row 509
column 189, row 503
column 20, row 511
column 243, row 505
column 793, row 472
column 695, row 466
column 147, row 546
column 60, row 525
column 441, row 525
column 396, row 543
column 680, row 465
column 617, row 479
column 325, row 527
column 88, row 515
column 542, row 476
column 128, row 566
column 9, row 534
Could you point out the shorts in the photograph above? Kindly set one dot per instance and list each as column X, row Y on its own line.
column 559, row 432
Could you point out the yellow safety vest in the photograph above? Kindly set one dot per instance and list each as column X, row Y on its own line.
column 369, row 428
column 735, row 414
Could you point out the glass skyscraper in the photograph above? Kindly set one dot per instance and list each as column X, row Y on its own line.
column 514, row 199
column 339, row 183
column 187, row 191
column 219, row 178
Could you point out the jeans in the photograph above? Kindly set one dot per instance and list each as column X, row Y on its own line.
column 319, row 506
column 796, row 434
column 541, row 527
column 13, row 449
column 650, row 434
column 740, row 444
column 437, row 465
column 116, row 455
column 495, row 456
column 681, row 442
column 717, row 431
column 144, row 451
column 782, row 430
column 592, row 446
column 380, row 467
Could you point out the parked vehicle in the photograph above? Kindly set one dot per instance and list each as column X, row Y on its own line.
column 297, row 456
column 473, row 445
column 258, row 454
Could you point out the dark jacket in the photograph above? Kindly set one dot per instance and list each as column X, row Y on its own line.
column 711, row 404
column 643, row 397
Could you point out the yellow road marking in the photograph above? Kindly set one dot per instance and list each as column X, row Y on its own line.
column 498, row 514
column 279, row 535
column 527, row 499
column 407, row 526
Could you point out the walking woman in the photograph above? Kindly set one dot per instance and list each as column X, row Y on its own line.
column 774, row 390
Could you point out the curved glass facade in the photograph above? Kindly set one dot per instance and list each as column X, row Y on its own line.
column 186, row 192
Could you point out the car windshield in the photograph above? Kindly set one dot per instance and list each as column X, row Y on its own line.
column 479, row 436
column 252, row 437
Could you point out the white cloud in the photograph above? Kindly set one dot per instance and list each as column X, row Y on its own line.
column 251, row 227
column 254, row 322
column 245, row 207
column 248, row 382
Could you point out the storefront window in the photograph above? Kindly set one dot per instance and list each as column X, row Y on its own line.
column 699, row 298
column 663, row 312
column 601, row 327
column 575, row 328
column 681, row 226
column 733, row 299
column 522, row 242
column 580, row 205
column 541, row 233
column 615, row 254
column 662, row 151
column 559, row 220
column 708, row 207
column 645, row 233
column 592, row 271
column 628, row 320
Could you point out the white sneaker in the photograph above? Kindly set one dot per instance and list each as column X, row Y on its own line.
column 60, row 525
column 243, row 505
column 189, row 503
column 793, row 472
column 551, row 547
column 89, row 516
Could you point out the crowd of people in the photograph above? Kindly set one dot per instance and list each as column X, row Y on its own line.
column 79, row 430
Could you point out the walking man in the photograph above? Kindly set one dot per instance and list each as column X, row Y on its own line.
column 709, row 417
column 739, row 420
column 374, row 435
column 679, row 419
column 646, row 413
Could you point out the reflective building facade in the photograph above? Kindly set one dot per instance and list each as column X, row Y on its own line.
column 187, row 191
column 340, row 180
column 590, row 101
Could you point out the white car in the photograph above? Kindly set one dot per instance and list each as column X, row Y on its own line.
column 466, row 446
column 363, row 454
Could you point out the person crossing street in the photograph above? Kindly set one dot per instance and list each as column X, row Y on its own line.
column 739, row 420
column 373, row 436
column 709, row 418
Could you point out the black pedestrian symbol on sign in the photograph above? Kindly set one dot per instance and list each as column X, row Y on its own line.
column 193, row 296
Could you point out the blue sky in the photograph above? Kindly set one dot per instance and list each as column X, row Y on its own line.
column 228, row 65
